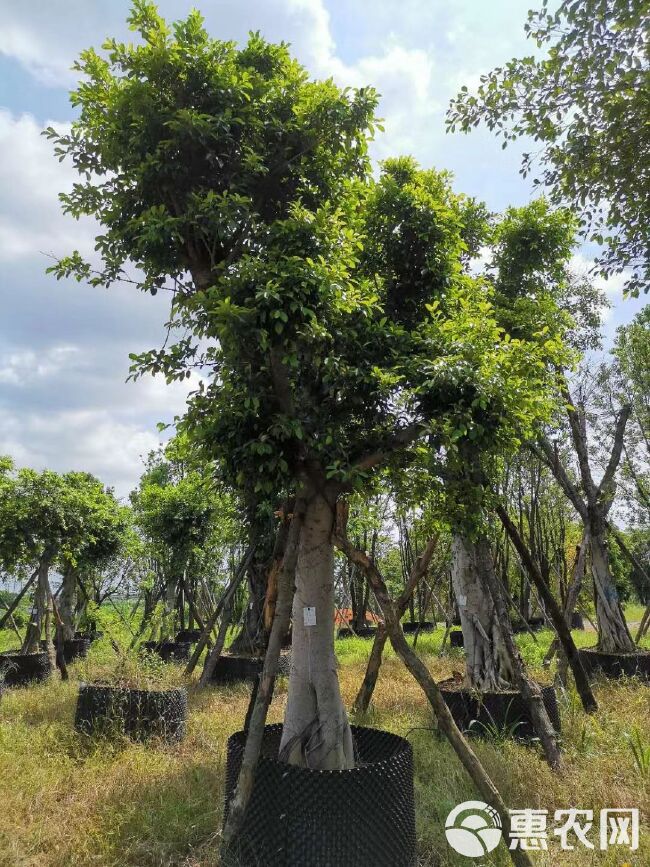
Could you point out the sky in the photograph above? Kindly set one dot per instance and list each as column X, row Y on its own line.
column 64, row 347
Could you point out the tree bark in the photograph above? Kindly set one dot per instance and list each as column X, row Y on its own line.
column 67, row 601
column 613, row 633
column 488, row 665
column 251, row 639
column 35, row 628
column 316, row 732
column 529, row 689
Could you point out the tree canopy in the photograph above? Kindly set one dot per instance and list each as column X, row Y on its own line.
column 585, row 102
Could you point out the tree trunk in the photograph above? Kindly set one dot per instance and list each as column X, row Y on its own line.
column 613, row 634
column 488, row 665
column 35, row 628
column 49, row 644
column 212, row 658
column 530, row 691
column 251, row 639
column 167, row 628
column 67, row 601
column 316, row 731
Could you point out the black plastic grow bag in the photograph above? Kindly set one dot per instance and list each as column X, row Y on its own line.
column 497, row 709
column 18, row 669
column 95, row 635
column 188, row 636
column 232, row 669
column 423, row 626
column 297, row 817
column 73, row 648
column 169, row 651
column 137, row 713
column 456, row 638
column 363, row 632
column 577, row 621
column 615, row 665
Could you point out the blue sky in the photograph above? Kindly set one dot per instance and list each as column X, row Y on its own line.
column 64, row 347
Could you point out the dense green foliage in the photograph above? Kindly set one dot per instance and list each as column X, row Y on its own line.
column 68, row 519
column 585, row 103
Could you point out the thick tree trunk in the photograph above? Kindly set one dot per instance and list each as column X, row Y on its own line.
column 530, row 691
column 171, row 590
column 613, row 634
column 488, row 665
column 35, row 628
column 49, row 644
column 67, row 601
column 316, row 731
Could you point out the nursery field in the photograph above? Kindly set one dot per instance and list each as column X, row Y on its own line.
column 68, row 799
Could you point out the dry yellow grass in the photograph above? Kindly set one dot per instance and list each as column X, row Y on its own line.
column 70, row 801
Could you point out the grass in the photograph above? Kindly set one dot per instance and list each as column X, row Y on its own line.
column 72, row 801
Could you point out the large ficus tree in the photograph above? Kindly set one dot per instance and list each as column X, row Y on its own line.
column 229, row 177
column 584, row 100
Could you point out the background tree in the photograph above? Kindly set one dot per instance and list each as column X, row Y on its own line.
column 586, row 102
column 105, row 531
column 178, row 509
column 50, row 519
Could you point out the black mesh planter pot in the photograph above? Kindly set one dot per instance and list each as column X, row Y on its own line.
column 615, row 665
column 73, row 648
column 496, row 709
column 456, row 638
column 536, row 623
column 234, row 669
column 188, row 636
column 363, row 632
column 169, row 651
column 137, row 713
column 19, row 669
column 423, row 626
column 297, row 817
column 91, row 636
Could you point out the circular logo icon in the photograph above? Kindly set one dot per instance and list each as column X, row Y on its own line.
column 473, row 829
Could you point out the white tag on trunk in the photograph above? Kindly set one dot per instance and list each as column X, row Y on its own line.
column 462, row 600
column 309, row 615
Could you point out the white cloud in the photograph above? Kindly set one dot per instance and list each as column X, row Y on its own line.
column 613, row 286
column 31, row 222
column 94, row 441
column 22, row 367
